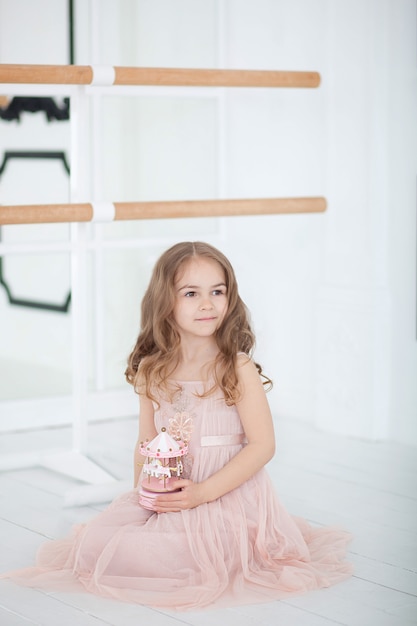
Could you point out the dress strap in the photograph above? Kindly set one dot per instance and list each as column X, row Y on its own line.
column 223, row 440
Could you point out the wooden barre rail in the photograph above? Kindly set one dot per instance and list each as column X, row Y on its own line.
column 109, row 75
column 105, row 212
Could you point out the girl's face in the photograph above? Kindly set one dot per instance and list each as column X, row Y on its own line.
column 201, row 298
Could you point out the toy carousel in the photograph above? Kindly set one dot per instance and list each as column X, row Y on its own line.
column 162, row 467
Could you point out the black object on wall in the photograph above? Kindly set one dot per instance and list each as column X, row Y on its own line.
column 34, row 154
column 33, row 304
column 34, row 104
column 71, row 32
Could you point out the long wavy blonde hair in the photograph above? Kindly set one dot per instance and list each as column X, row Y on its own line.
column 156, row 354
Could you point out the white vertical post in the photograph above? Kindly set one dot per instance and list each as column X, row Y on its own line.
column 96, row 173
column 76, row 463
column 221, row 117
column 79, row 232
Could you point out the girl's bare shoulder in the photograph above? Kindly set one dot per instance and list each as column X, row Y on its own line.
column 246, row 368
column 243, row 359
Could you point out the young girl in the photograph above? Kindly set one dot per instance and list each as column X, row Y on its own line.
column 219, row 536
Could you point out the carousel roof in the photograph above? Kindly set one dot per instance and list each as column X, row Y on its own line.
column 163, row 446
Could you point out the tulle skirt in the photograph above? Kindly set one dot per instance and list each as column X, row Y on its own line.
column 242, row 548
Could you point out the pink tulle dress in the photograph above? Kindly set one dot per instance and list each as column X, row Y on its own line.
column 242, row 548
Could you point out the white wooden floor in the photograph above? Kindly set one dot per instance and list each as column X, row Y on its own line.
column 367, row 488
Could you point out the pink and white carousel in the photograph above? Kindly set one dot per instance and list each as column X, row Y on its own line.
column 163, row 466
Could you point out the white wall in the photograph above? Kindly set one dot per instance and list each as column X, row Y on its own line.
column 366, row 322
column 332, row 296
column 401, row 168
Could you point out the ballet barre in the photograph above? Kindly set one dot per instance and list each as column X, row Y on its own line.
column 181, row 77
column 108, row 211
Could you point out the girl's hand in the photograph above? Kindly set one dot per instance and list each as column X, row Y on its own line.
column 189, row 496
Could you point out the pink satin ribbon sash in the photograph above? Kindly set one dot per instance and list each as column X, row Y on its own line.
column 223, row 440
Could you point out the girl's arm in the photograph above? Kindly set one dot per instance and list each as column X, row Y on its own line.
column 257, row 423
column 147, row 430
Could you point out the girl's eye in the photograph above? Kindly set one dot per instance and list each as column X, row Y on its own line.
column 189, row 294
column 218, row 292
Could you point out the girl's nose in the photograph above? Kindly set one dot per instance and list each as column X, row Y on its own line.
column 206, row 304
